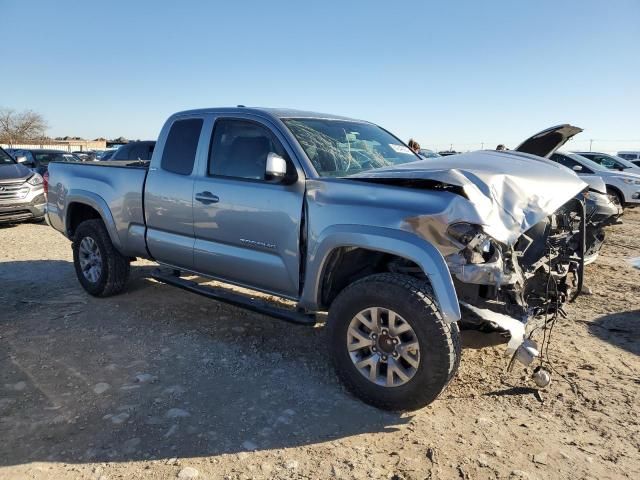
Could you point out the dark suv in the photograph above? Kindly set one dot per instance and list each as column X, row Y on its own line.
column 141, row 150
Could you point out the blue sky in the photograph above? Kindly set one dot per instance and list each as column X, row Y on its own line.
column 449, row 72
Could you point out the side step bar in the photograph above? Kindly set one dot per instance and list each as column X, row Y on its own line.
column 222, row 295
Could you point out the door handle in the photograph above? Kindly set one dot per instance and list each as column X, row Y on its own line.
column 207, row 198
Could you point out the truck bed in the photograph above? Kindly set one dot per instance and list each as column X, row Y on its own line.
column 113, row 187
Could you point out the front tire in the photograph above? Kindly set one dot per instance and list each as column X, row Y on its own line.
column 389, row 344
column 101, row 269
column 616, row 196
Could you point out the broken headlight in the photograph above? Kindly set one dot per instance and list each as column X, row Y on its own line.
column 478, row 247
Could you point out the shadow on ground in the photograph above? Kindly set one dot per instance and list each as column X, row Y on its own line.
column 157, row 373
column 619, row 329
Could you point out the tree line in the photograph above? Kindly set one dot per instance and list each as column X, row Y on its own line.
column 28, row 126
column 21, row 127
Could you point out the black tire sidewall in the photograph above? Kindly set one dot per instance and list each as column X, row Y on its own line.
column 91, row 229
column 435, row 369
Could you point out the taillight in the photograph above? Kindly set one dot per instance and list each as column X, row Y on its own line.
column 45, row 182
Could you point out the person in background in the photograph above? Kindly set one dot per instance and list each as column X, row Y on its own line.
column 415, row 146
column 501, row 148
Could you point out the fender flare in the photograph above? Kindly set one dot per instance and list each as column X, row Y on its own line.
column 96, row 202
column 395, row 242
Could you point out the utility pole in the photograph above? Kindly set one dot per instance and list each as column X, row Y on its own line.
column 590, row 143
column 481, row 145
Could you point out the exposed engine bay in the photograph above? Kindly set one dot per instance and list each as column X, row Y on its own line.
column 536, row 275
column 509, row 291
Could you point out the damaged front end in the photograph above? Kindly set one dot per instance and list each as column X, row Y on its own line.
column 508, row 290
column 535, row 275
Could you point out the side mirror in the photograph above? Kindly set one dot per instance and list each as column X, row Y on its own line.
column 577, row 168
column 276, row 168
column 25, row 161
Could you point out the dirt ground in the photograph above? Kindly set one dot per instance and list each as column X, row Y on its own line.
column 161, row 383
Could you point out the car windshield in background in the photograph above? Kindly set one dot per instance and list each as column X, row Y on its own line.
column 5, row 158
column 339, row 148
column 608, row 161
column 586, row 162
column 45, row 158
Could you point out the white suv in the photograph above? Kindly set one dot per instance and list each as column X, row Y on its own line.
column 622, row 185
column 631, row 156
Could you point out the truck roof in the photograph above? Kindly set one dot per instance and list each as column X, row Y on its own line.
column 272, row 113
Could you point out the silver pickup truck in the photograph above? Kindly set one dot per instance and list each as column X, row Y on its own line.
column 339, row 216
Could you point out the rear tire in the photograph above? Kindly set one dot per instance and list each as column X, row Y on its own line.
column 406, row 300
column 101, row 269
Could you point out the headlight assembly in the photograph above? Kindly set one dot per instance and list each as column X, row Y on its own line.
column 630, row 181
column 478, row 245
column 35, row 180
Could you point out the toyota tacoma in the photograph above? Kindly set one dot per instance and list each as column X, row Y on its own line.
column 338, row 215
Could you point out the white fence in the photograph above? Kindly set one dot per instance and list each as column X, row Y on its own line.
column 66, row 147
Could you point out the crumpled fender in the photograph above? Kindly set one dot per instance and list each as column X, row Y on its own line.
column 396, row 242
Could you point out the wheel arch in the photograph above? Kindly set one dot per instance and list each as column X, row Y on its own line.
column 385, row 243
column 617, row 191
column 84, row 205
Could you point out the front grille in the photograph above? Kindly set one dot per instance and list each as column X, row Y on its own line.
column 15, row 214
column 13, row 190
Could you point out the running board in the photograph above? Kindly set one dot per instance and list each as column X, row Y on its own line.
column 225, row 296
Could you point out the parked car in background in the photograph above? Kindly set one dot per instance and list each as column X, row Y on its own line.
column 426, row 153
column 21, row 192
column 85, row 155
column 107, row 154
column 610, row 161
column 446, row 153
column 630, row 156
column 38, row 159
column 338, row 215
column 140, row 150
column 623, row 186
column 602, row 210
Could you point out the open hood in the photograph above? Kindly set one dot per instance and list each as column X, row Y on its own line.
column 544, row 143
column 505, row 192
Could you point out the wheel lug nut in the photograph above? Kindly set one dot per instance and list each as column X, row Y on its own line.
column 395, row 341
column 384, row 357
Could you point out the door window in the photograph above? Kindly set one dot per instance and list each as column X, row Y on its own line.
column 239, row 149
column 569, row 163
column 179, row 152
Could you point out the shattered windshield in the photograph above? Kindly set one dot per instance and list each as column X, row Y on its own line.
column 339, row 148
column 5, row 158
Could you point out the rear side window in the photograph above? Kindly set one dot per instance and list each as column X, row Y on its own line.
column 180, row 149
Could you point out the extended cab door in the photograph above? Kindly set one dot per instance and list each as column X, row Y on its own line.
column 247, row 229
column 168, row 195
